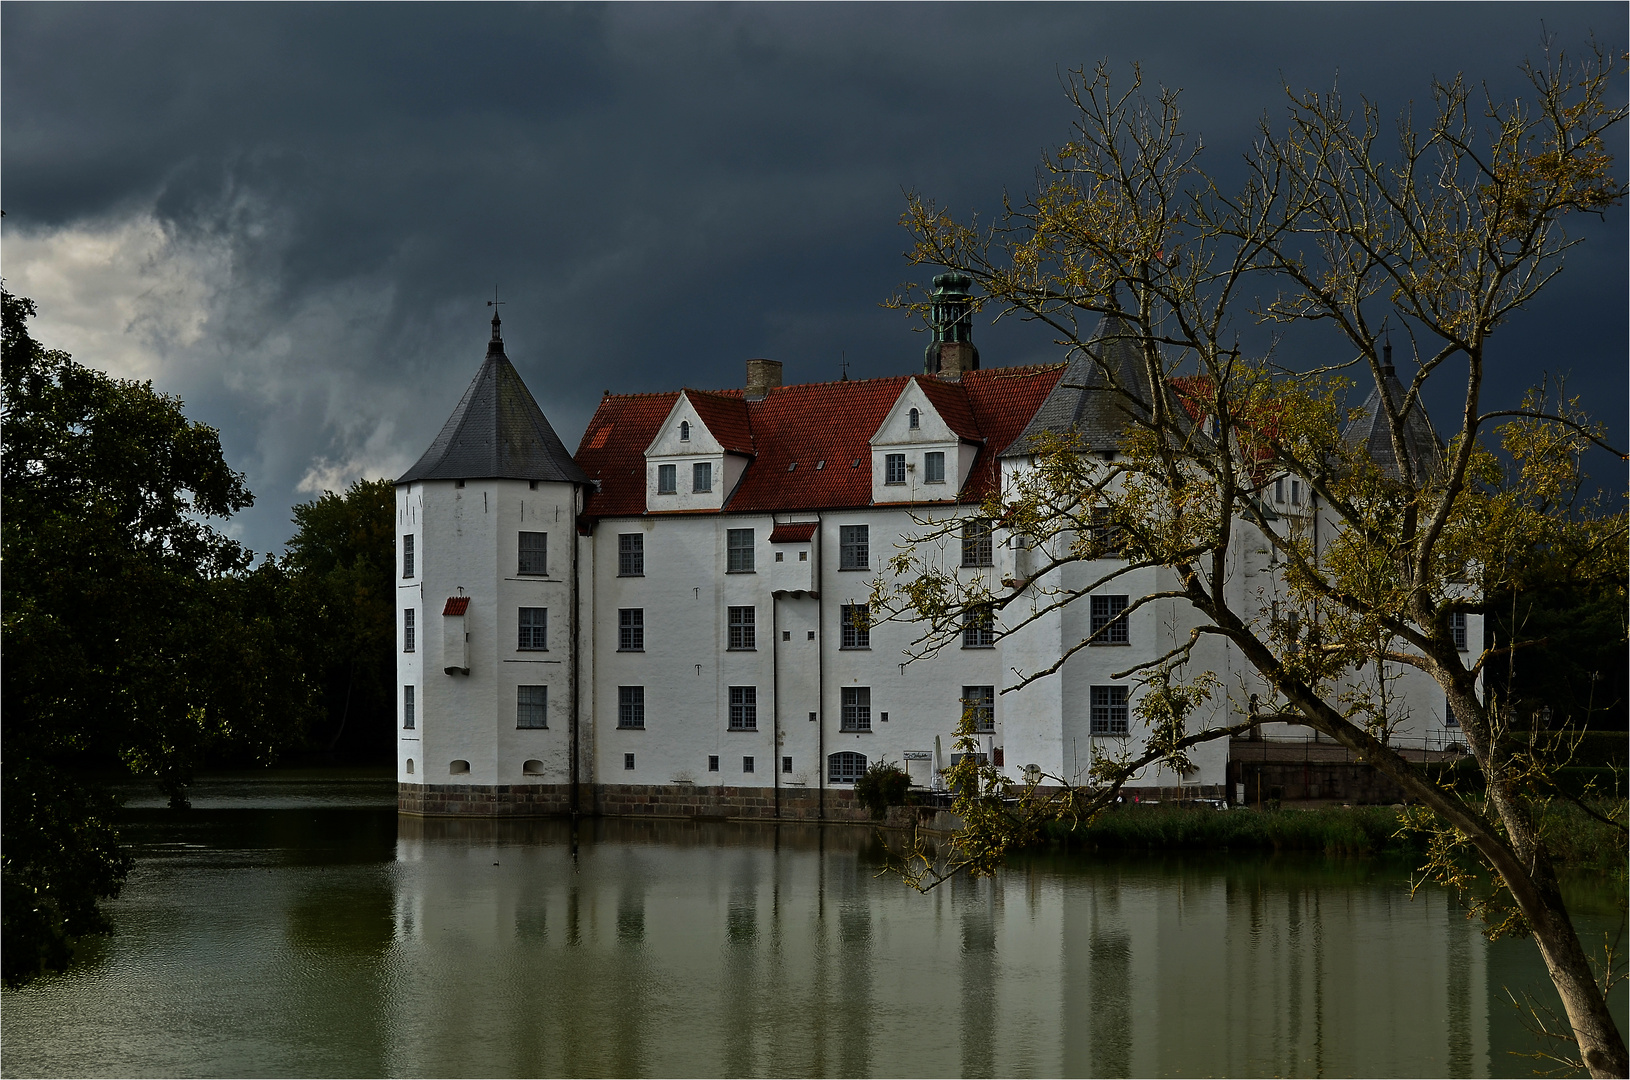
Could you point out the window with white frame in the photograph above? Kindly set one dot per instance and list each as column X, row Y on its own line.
column 631, row 629
column 534, row 554
column 739, row 551
column 914, row 419
column 1449, row 717
column 857, row 709
column 743, row 628
column 534, row 627
column 713, row 763
column 1457, row 629
column 980, row 701
column 746, row 764
column 744, row 708
column 934, row 467
column 1109, row 620
column 894, row 468
column 978, row 628
column 701, row 476
column 667, row 479
column 407, row 630
column 856, row 624
column 407, row 707
column 531, row 706
column 976, row 542
column 631, row 706
column 407, row 555
column 631, row 555
column 854, row 547
column 628, row 761
column 845, row 767
column 1109, row 713
column 684, row 431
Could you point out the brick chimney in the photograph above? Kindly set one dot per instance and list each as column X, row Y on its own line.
column 762, row 377
column 952, row 351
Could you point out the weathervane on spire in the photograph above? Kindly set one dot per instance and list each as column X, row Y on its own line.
column 494, row 303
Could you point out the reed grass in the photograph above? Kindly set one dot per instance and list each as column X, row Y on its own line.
column 1577, row 841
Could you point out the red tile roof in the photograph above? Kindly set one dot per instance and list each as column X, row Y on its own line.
column 726, row 418
column 793, row 533
column 950, row 400
column 456, row 605
column 812, row 441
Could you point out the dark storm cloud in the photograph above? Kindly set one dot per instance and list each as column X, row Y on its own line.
column 658, row 192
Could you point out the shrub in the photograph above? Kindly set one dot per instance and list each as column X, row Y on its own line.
column 881, row 786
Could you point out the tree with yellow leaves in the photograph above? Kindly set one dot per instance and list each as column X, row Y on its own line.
column 1437, row 235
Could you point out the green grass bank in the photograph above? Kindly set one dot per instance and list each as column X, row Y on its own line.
column 1578, row 841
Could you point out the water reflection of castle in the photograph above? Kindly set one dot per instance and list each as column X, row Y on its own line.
column 673, row 621
column 738, row 949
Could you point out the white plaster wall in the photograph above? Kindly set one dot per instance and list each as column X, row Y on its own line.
column 468, row 538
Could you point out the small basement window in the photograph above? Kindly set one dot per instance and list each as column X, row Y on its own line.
column 532, row 767
column 459, row 768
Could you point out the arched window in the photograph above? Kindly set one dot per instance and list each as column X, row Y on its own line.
column 845, row 767
column 458, row 768
column 684, row 431
column 410, row 766
column 916, row 419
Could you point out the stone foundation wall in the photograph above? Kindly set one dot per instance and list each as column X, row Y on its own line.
column 1296, row 781
column 690, row 801
column 478, row 800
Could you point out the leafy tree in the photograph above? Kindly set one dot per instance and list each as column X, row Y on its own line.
column 134, row 633
column 340, row 566
column 1439, row 237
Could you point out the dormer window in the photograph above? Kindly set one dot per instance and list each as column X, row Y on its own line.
column 916, row 420
column 667, row 479
column 684, row 434
column 702, row 476
column 934, row 467
column 894, row 469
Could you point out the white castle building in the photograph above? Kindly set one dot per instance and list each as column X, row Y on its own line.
column 665, row 622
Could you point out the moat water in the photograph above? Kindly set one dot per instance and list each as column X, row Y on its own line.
column 293, row 925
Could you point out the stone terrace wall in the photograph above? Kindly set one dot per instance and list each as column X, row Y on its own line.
column 689, row 801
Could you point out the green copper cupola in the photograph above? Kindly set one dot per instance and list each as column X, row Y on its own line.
column 950, row 315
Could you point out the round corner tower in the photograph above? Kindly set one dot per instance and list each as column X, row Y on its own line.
column 487, row 608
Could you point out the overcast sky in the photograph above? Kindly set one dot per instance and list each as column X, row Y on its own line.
column 292, row 216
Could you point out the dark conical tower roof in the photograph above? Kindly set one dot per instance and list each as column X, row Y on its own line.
column 1370, row 431
column 497, row 431
column 1104, row 387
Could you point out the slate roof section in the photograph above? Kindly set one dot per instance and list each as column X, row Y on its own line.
column 824, row 429
column 1091, row 399
column 1370, row 431
column 496, row 431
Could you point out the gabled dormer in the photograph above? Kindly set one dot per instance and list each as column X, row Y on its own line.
column 925, row 448
column 699, row 453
